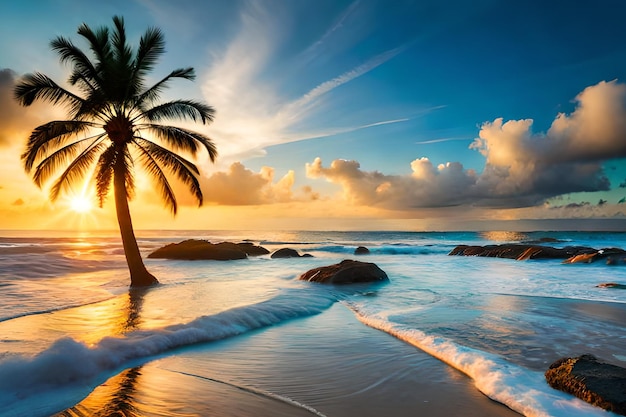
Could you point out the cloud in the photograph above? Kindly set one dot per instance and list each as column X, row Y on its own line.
column 522, row 169
column 440, row 140
column 427, row 186
column 241, row 186
column 254, row 110
column 16, row 122
column 327, row 37
column 11, row 115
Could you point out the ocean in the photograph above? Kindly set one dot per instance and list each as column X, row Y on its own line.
column 234, row 337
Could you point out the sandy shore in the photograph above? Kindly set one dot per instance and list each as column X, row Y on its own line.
column 339, row 367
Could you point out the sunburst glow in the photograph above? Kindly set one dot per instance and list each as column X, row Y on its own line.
column 81, row 204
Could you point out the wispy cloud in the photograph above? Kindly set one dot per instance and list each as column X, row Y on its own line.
column 296, row 109
column 312, row 50
column 427, row 142
column 253, row 113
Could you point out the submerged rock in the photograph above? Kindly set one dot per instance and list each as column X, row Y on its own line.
column 598, row 383
column 194, row 249
column 346, row 272
column 288, row 253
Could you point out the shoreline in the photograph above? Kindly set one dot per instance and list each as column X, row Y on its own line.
column 367, row 373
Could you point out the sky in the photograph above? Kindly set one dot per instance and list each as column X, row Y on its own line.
column 356, row 115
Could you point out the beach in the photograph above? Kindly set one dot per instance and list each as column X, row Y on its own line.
column 445, row 336
column 338, row 368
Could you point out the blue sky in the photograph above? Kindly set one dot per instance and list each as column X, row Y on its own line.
column 376, row 106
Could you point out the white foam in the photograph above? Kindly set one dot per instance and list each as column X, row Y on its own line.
column 68, row 370
column 522, row 390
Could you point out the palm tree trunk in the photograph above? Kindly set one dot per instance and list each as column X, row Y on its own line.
column 139, row 275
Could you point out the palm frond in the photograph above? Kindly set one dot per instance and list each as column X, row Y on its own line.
column 157, row 174
column 129, row 178
column 183, row 169
column 151, row 47
column 152, row 94
column 104, row 173
column 49, row 165
column 123, row 171
column 48, row 136
column 181, row 109
column 68, row 52
column 39, row 86
column 182, row 139
column 123, row 53
column 98, row 43
column 75, row 170
column 79, row 79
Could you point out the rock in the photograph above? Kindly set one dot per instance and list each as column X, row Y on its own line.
column 288, row 253
column 611, row 285
column 194, row 249
column 346, row 272
column 598, row 383
column 361, row 250
column 586, row 258
column 522, row 252
column 249, row 248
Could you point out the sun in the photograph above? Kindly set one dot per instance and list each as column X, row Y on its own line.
column 81, row 204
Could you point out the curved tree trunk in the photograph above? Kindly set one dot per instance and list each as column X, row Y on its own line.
column 139, row 275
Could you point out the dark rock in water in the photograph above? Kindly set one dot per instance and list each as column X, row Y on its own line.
column 522, row 252
column 611, row 285
column 249, row 248
column 346, row 272
column 361, row 250
column 288, row 253
column 549, row 239
column 598, row 383
column 194, row 249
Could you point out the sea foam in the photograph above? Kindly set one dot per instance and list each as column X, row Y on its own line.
column 68, row 370
column 522, row 390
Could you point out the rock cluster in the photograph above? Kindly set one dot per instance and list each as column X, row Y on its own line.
column 591, row 380
column 522, row 252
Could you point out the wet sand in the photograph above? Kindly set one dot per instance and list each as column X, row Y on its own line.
column 337, row 368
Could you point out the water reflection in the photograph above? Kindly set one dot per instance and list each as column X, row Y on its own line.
column 135, row 303
column 116, row 397
column 502, row 236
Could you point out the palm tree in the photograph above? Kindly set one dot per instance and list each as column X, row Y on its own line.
column 113, row 124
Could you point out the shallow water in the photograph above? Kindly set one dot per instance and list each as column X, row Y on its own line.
column 69, row 322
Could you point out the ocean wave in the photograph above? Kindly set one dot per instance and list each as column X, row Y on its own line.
column 520, row 389
column 61, row 374
column 391, row 249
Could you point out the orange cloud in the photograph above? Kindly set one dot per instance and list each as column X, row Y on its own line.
column 241, row 186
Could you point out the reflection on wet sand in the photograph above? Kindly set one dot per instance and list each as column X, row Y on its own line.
column 116, row 397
